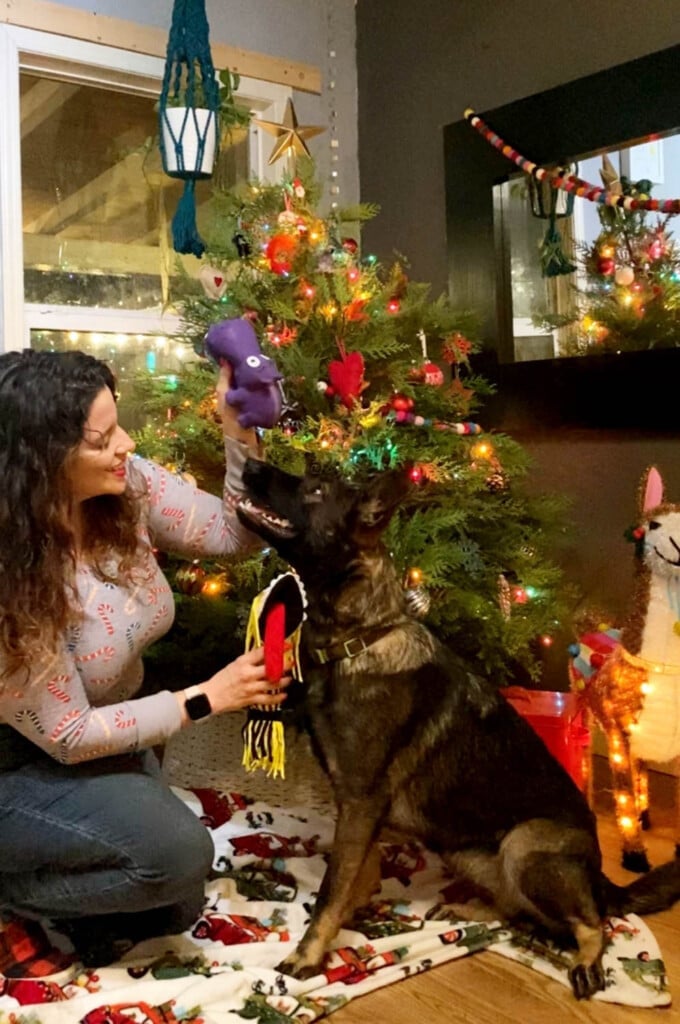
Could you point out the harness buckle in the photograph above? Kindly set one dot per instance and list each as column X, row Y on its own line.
column 352, row 652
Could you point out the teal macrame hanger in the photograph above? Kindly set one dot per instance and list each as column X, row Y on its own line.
column 544, row 201
column 554, row 261
column 187, row 115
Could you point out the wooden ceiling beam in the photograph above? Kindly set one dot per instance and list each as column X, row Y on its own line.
column 99, row 28
column 41, row 101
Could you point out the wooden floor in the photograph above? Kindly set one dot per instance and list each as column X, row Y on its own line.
column 489, row 989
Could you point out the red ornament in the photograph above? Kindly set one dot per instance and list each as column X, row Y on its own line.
column 354, row 311
column 350, row 245
column 280, row 251
column 189, row 579
column 347, row 377
column 428, row 373
column 656, row 249
column 456, row 348
column 606, row 266
column 401, row 403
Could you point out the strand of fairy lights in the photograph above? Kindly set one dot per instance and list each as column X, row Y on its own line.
column 334, row 142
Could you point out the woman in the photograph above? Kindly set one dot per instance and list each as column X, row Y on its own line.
column 92, row 837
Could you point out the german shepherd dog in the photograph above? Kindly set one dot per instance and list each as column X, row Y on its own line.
column 413, row 740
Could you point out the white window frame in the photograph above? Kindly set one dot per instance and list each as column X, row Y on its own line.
column 106, row 66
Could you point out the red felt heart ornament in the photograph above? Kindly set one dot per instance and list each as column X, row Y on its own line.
column 347, row 377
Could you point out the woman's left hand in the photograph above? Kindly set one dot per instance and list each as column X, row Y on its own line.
column 229, row 413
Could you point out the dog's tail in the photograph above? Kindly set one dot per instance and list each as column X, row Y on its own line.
column 657, row 890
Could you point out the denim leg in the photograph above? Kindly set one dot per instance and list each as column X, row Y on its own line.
column 107, row 837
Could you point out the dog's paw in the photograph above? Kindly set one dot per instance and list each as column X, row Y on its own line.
column 295, row 969
column 586, row 981
column 440, row 912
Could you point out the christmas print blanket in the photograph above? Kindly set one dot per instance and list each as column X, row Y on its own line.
column 268, row 867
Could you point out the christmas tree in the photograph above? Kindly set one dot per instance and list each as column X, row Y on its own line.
column 631, row 296
column 376, row 374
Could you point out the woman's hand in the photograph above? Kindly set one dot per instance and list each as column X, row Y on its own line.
column 243, row 682
column 229, row 413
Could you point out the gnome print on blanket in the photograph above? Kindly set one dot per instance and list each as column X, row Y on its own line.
column 634, row 694
column 255, row 390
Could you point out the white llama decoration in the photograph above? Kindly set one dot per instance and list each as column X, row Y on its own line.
column 635, row 694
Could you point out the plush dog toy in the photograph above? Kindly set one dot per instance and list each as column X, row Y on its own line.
column 255, row 384
column 275, row 623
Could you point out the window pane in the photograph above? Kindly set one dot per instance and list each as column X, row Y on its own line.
column 128, row 355
column 96, row 204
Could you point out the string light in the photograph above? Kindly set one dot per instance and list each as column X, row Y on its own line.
column 482, row 450
column 334, row 142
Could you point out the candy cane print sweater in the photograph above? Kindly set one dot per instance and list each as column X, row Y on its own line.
column 80, row 704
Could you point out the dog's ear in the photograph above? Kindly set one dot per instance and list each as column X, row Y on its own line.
column 379, row 498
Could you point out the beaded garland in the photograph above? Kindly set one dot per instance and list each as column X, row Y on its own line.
column 403, row 416
column 569, row 182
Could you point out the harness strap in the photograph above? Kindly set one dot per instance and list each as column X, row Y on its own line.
column 348, row 648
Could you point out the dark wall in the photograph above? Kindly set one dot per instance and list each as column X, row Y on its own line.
column 591, row 433
column 421, row 65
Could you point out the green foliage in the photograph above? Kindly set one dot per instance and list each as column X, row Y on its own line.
column 470, row 527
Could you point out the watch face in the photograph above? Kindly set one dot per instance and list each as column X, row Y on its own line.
column 198, row 707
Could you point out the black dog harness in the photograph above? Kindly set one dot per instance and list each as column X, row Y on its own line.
column 348, row 648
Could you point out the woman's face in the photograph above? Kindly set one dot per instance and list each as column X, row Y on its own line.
column 98, row 465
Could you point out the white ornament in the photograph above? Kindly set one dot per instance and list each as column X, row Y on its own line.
column 418, row 600
column 214, row 281
column 287, row 219
column 624, row 276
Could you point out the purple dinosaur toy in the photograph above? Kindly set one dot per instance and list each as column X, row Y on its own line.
column 255, row 388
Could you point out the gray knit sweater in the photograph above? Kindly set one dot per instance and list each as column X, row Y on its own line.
column 80, row 704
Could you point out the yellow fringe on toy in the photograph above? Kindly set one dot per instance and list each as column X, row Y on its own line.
column 264, row 743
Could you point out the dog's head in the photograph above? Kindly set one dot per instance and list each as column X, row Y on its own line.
column 318, row 522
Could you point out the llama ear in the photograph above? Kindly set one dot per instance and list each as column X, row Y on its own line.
column 651, row 490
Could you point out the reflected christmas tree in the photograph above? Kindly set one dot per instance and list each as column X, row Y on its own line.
column 630, row 296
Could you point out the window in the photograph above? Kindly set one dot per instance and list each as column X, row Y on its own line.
column 85, row 208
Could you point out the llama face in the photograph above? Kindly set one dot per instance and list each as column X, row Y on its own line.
column 662, row 543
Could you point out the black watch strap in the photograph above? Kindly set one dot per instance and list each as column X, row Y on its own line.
column 197, row 704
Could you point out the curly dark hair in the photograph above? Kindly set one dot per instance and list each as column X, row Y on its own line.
column 45, row 399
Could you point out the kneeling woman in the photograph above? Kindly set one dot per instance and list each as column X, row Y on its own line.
column 92, row 837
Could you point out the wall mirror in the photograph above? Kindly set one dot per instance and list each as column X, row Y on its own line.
column 495, row 229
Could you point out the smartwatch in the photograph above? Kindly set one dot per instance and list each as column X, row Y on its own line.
column 197, row 704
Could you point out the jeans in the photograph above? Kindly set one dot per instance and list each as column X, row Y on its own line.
column 106, row 839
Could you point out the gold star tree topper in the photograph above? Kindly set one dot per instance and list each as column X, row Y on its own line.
column 290, row 136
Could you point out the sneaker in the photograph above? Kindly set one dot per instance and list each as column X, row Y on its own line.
column 26, row 952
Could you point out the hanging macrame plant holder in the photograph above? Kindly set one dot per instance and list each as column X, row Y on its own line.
column 187, row 115
column 551, row 204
